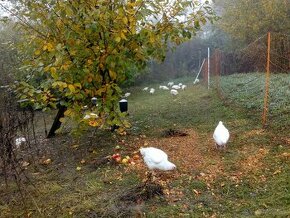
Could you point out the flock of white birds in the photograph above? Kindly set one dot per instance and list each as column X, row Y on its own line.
column 170, row 86
column 155, row 158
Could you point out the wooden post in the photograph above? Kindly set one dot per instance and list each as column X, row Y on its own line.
column 267, row 83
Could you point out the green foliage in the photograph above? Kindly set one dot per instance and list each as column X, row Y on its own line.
column 9, row 58
column 247, row 20
column 83, row 49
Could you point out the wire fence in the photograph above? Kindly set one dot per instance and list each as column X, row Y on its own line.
column 256, row 77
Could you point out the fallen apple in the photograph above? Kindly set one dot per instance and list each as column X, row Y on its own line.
column 114, row 156
column 125, row 161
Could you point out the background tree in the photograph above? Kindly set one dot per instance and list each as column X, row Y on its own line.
column 246, row 20
column 9, row 57
column 83, row 49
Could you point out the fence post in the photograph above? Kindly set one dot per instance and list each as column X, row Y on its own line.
column 208, row 64
column 267, row 83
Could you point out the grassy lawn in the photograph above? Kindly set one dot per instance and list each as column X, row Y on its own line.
column 251, row 178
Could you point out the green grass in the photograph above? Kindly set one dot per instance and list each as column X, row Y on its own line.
column 248, row 90
column 238, row 190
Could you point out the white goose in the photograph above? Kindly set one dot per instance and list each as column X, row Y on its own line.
column 221, row 135
column 155, row 158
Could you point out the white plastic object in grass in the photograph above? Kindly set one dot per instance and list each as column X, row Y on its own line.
column 19, row 141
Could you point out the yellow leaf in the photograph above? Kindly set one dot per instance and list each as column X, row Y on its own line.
column 46, row 69
column 71, row 88
column 53, row 70
column 125, row 20
column 50, row 47
column 62, row 119
column 47, row 161
column 152, row 39
column 78, row 85
column 118, row 39
column 68, row 112
column 90, row 62
column 53, row 73
column 75, row 146
column 62, row 85
column 64, row 67
column 112, row 74
column 78, row 168
column 123, row 35
column 58, row 23
column 93, row 123
column 37, row 52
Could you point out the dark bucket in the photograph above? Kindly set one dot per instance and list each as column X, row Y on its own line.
column 123, row 104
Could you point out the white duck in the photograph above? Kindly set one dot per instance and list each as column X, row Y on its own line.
column 221, row 135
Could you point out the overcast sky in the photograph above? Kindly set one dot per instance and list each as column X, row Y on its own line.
column 3, row 12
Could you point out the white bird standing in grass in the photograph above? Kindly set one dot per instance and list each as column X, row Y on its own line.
column 152, row 90
column 221, row 135
column 196, row 81
column 173, row 92
column 163, row 87
column 155, row 158
column 145, row 89
column 175, row 87
column 183, row 87
column 127, row 94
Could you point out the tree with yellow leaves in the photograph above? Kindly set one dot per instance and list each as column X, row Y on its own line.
column 87, row 48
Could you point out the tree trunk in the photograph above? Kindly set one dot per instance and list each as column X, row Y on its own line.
column 56, row 123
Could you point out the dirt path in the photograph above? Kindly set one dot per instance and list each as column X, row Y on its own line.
column 194, row 157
